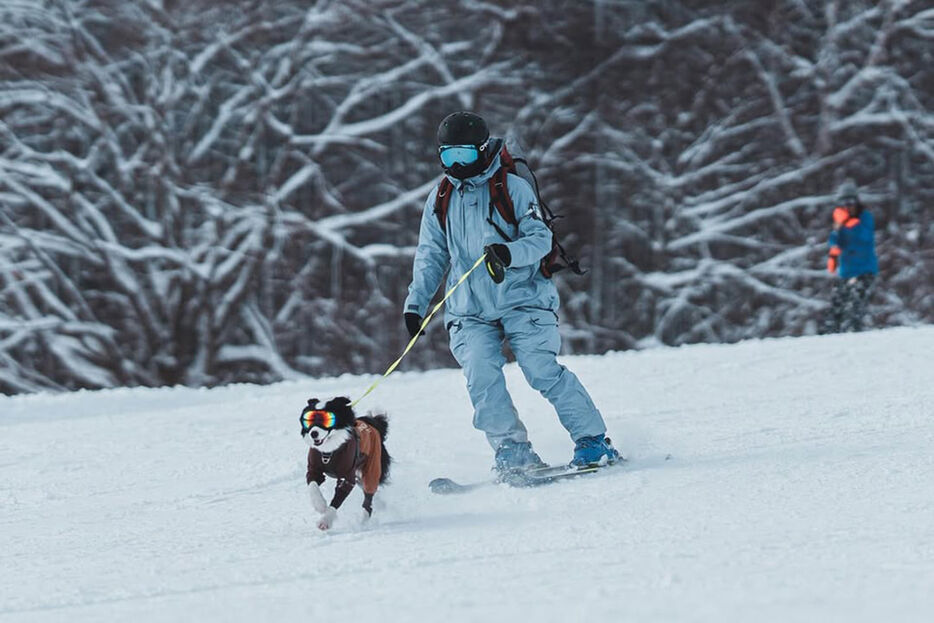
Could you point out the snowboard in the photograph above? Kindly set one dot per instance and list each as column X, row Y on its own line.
column 521, row 478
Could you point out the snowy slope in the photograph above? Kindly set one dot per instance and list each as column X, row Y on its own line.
column 801, row 488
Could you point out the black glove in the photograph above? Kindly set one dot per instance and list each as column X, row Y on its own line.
column 497, row 258
column 413, row 322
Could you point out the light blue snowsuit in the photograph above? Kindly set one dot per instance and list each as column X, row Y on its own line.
column 480, row 313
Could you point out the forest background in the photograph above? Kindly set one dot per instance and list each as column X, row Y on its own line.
column 208, row 192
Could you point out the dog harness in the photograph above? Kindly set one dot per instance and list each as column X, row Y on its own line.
column 326, row 456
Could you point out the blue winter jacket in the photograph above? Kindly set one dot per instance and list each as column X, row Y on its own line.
column 458, row 248
column 857, row 247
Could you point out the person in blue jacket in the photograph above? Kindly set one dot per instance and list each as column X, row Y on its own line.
column 853, row 255
column 509, row 300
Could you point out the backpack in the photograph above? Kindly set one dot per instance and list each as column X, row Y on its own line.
column 555, row 260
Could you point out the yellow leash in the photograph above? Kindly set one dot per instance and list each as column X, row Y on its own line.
column 414, row 339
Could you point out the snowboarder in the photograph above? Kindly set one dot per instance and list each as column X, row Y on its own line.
column 853, row 254
column 513, row 301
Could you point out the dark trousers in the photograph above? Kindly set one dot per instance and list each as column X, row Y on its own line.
column 848, row 304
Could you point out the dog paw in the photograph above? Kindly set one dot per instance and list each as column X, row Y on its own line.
column 326, row 520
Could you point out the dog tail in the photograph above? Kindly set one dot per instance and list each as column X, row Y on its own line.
column 381, row 424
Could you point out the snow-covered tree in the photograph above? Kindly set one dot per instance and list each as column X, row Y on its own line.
column 208, row 192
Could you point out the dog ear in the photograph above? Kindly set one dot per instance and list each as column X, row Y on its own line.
column 341, row 403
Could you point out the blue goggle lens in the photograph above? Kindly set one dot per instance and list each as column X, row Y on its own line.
column 458, row 154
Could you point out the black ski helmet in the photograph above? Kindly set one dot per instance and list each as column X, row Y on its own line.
column 462, row 128
column 848, row 194
column 465, row 128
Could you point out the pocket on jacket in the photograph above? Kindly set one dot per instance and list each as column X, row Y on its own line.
column 461, row 302
column 456, row 339
column 542, row 317
column 539, row 334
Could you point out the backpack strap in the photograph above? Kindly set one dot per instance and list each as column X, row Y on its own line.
column 506, row 159
column 499, row 196
column 501, row 201
column 443, row 200
column 499, row 193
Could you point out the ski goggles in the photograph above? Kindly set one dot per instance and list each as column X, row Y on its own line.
column 459, row 154
column 321, row 419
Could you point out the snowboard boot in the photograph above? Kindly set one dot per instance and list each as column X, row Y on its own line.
column 514, row 457
column 596, row 450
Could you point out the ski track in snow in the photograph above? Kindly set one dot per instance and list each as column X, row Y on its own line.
column 801, row 488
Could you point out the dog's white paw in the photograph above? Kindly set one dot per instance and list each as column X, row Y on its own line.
column 326, row 520
column 317, row 500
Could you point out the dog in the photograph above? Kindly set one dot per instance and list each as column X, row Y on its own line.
column 345, row 447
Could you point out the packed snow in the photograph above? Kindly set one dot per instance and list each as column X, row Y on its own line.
column 800, row 487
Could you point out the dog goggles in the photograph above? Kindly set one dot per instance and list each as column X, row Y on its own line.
column 458, row 154
column 321, row 419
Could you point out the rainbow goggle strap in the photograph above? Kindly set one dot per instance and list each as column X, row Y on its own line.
column 316, row 417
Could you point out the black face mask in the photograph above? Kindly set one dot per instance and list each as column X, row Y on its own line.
column 464, row 171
